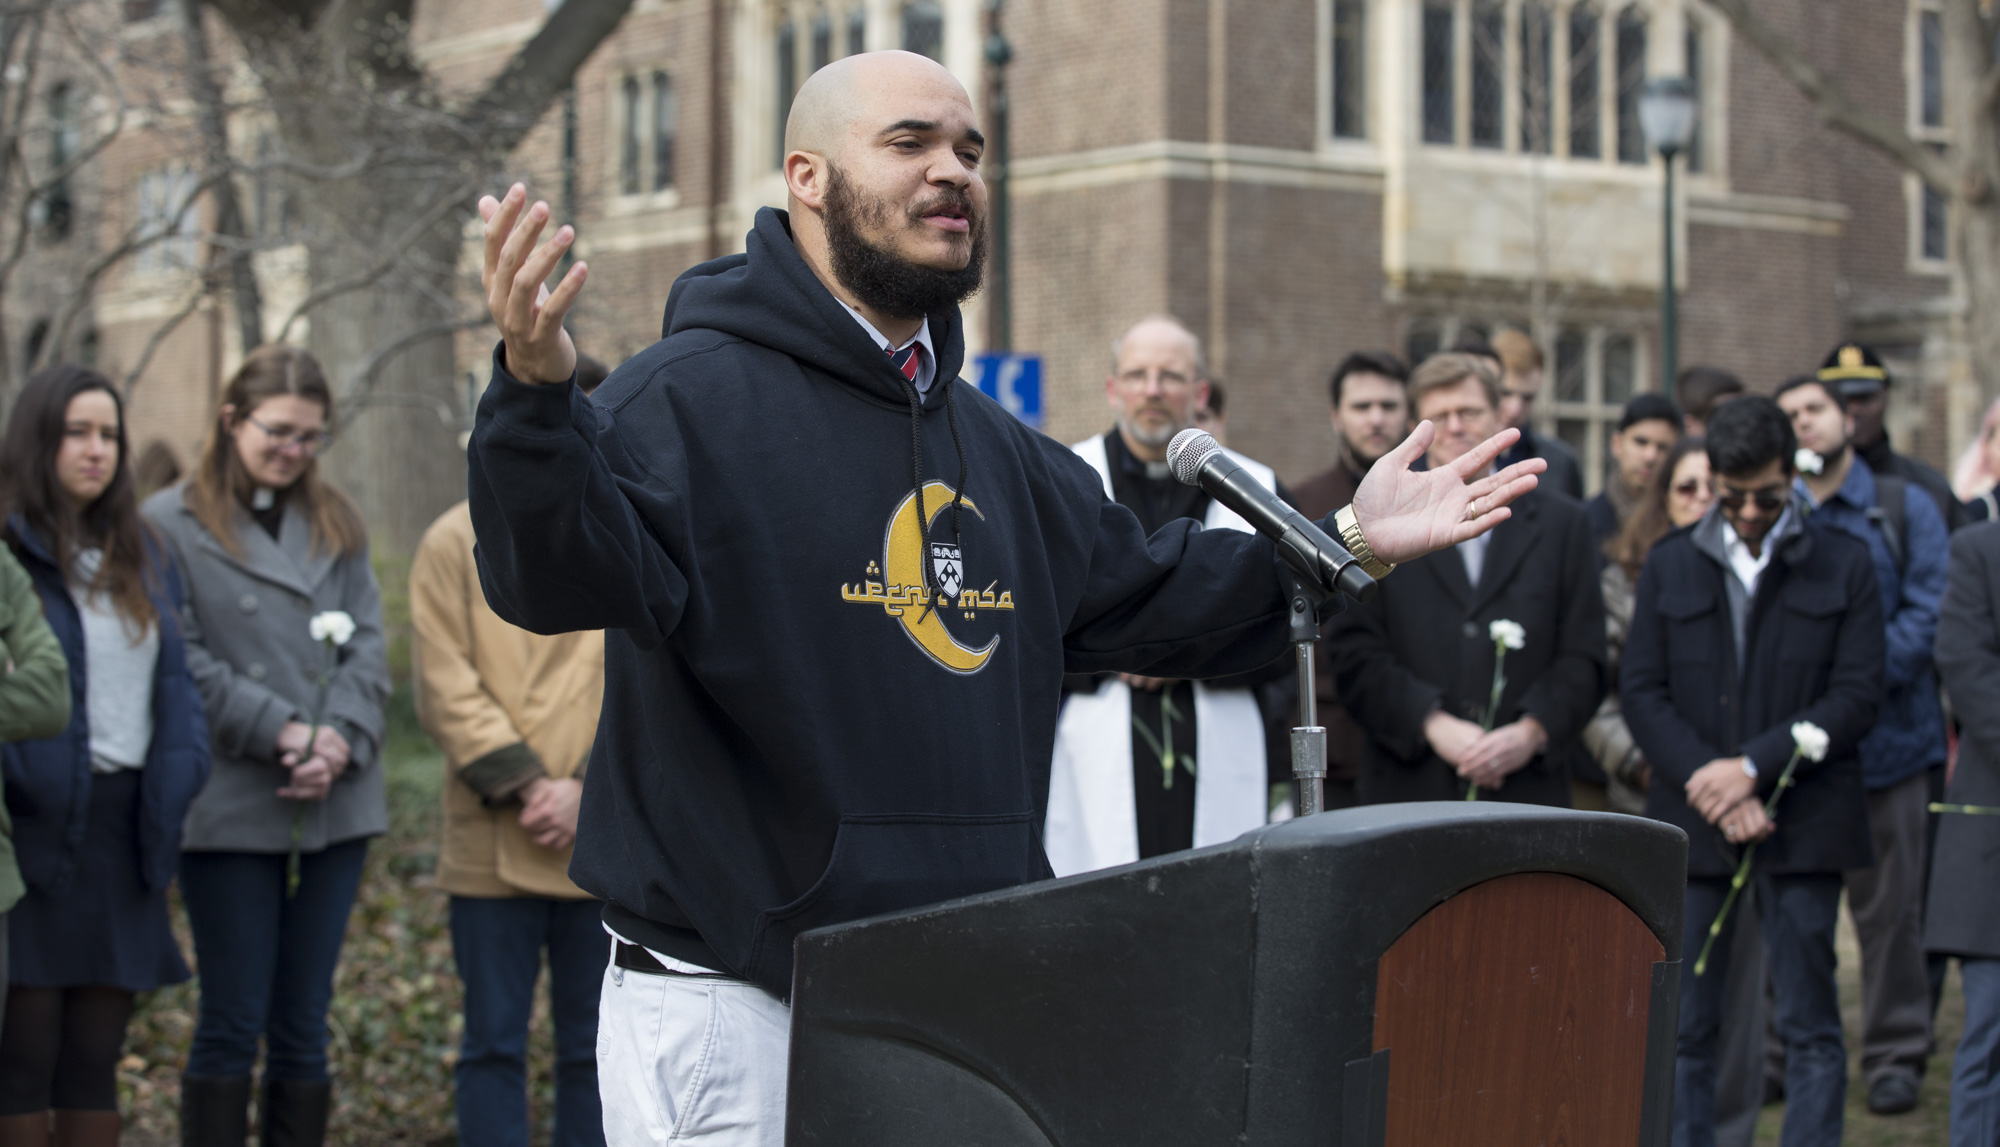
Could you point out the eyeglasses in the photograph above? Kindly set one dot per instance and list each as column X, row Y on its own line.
column 1693, row 487
column 310, row 441
column 1769, row 499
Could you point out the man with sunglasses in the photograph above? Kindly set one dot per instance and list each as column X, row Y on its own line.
column 1907, row 541
column 1754, row 619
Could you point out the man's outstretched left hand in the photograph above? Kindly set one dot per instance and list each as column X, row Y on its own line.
column 1407, row 513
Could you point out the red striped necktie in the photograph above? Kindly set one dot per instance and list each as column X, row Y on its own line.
column 905, row 360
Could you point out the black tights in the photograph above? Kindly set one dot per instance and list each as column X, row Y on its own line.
column 60, row 1047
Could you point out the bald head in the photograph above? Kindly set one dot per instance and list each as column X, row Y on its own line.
column 882, row 171
column 1157, row 381
column 850, row 100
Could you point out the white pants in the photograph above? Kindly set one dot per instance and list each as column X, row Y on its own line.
column 691, row 1059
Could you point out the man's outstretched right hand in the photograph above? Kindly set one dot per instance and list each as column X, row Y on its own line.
column 515, row 277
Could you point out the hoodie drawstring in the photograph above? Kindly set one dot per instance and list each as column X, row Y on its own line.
column 917, row 476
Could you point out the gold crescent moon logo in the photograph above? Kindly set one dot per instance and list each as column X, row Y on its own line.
column 902, row 564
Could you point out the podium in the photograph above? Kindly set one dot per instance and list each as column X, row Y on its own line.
column 1413, row 975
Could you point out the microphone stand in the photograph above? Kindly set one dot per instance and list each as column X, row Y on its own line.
column 1309, row 737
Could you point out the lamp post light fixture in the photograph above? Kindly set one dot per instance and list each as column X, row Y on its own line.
column 1667, row 115
column 1001, row 325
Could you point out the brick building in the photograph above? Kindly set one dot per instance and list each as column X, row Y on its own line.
column 1294, row 178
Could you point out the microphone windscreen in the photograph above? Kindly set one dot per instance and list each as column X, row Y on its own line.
column 1189, row 449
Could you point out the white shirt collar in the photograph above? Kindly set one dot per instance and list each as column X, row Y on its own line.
column 1749, row 569
column 926, row 360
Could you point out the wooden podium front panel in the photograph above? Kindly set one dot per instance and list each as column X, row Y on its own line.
column 1515, row 1016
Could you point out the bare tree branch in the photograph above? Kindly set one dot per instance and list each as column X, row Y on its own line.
column 137, row 238
column 1832, row 104
column 244, row 292
column 365, row 374
column 452, row 200
column 540, row 70
column 160, row 335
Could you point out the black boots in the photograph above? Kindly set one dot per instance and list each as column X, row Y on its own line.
column 293, row 1113
column 215, row 1112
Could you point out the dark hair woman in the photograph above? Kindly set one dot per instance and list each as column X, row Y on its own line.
column 269, row 547
column 98, row 808
column 1680, row 494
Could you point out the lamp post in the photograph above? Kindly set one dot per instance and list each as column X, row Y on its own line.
column 1667, row 116
column 998, row 53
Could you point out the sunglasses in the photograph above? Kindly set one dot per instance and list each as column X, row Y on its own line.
column 1693, row 487
column 1769, row 500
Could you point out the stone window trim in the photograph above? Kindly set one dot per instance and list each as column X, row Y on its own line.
column 641, row 142
column 165, row 205
column 1348, row 81
column 1496, row 51
column 1928, row 219
column 1932, row 228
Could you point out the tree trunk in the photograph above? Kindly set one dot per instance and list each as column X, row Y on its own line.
column 1968, row 61
column 397, row 454
column 393, row 172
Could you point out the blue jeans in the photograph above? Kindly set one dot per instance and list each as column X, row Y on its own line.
column 1797, row 915
column 266, row 960
column 497, row 944
column 1975, row 1069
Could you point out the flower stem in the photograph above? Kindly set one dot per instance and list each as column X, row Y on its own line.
column 293, row 861
column 1743, row 866
column 1492, row 704
column 1715, row 926
column 1970, row 809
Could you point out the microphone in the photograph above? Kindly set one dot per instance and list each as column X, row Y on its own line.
column 1199, row 460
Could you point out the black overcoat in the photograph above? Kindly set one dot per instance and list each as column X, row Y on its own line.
column 1813, row 652
column 1964, row 917
column 1423, row 642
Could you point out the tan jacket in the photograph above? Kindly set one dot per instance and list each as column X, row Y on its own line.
column 506, row 706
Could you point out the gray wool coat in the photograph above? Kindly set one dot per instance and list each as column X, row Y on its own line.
column 258, row 666
column 1964, row 916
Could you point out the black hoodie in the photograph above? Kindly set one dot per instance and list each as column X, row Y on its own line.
column 790, row 737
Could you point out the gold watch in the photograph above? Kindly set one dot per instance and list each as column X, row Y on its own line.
column 1350, row 536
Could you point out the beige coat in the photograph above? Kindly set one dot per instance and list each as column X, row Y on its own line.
column 506, row 706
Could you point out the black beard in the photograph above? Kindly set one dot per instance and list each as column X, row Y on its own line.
column 883, row 280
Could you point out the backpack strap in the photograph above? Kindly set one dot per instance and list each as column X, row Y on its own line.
column 1891, row 516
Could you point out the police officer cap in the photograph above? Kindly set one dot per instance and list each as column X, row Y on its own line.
column 1856, row 369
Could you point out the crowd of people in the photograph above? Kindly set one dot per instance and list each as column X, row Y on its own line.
column 195, row 684
column 1751, row 562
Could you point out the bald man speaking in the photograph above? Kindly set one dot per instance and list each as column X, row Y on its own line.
column 840, row 588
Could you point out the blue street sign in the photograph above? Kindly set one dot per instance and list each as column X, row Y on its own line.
column 1015, row 382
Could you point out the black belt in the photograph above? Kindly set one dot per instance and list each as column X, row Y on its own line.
column 633, row 958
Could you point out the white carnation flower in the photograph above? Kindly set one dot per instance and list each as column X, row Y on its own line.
column 333, row 625
column 1510, row 634
column 1811, row 740
column 1809, row 461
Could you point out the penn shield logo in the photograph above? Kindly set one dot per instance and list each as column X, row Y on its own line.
column 949, row 568
column 896, row 586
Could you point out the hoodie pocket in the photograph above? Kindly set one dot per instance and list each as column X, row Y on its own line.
column 886, row 863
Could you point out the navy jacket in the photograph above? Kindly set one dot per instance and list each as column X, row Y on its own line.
column 1908, row 736
column 48, row 782
column 1812, row 652
column 794, row 734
